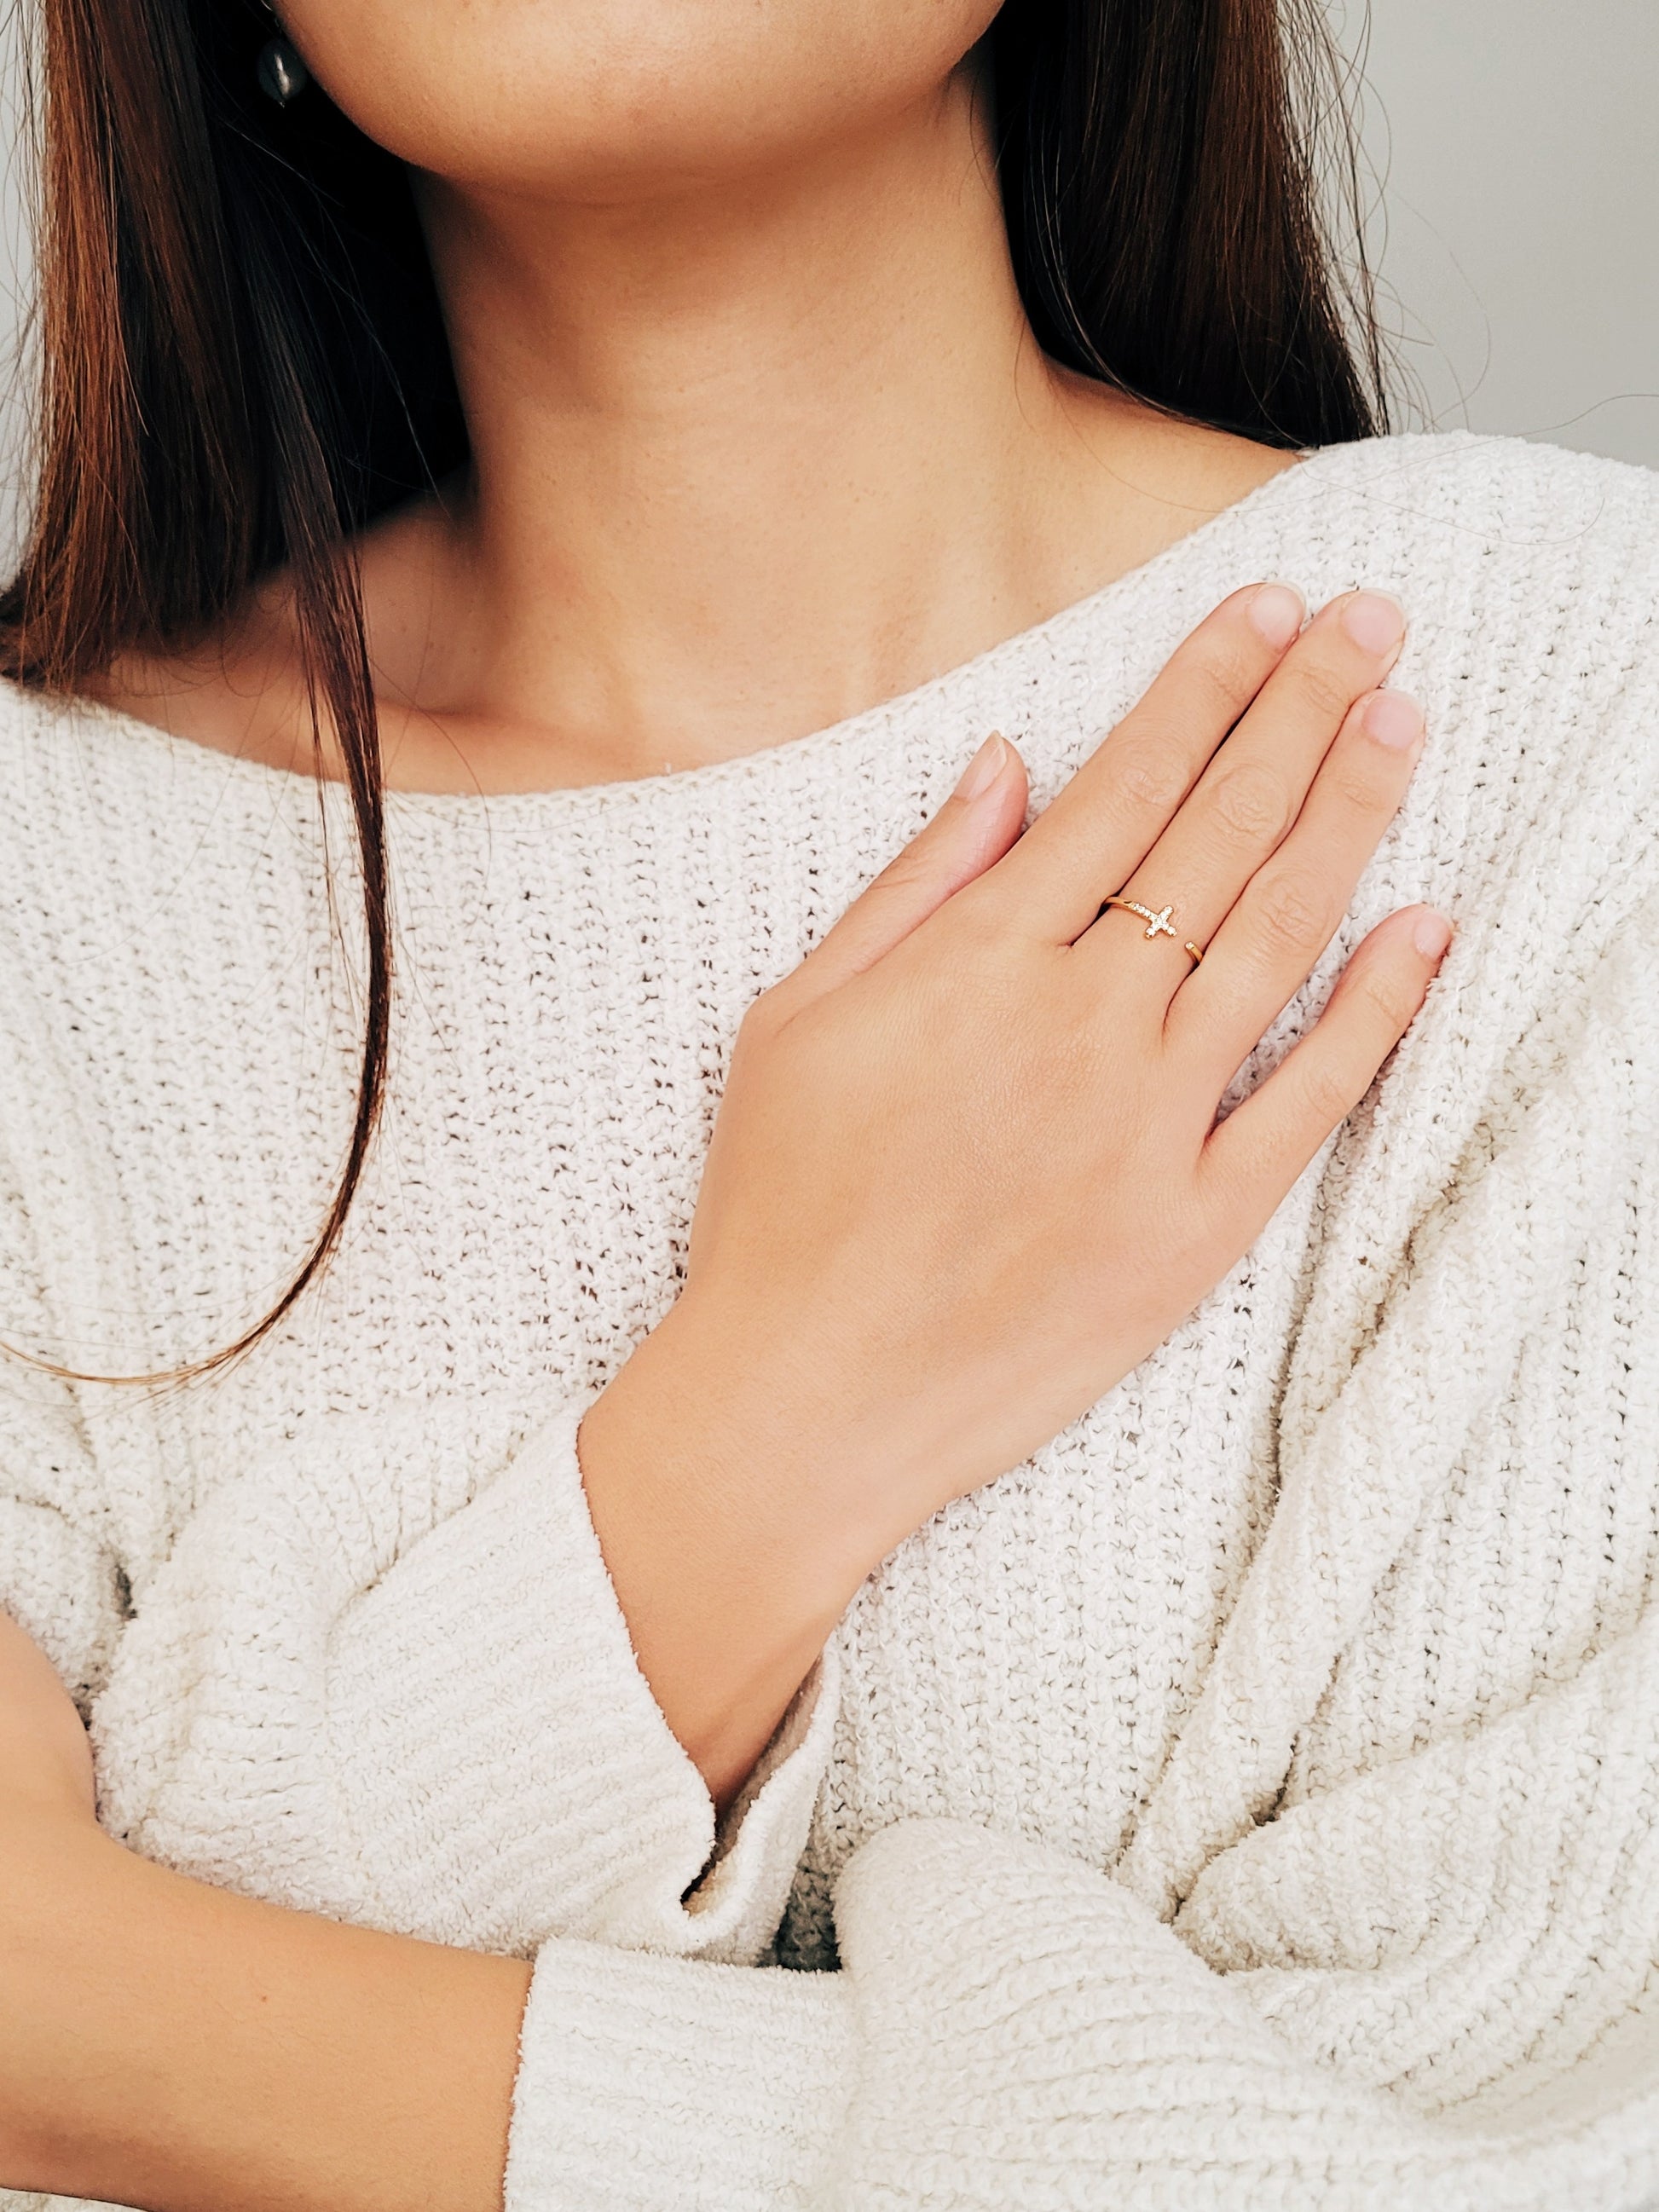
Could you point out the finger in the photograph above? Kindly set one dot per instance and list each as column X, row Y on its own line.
column 1088, row 841
column 1252, row 793
column 1258, row 1151
column 1266, row 948
column 971, row 831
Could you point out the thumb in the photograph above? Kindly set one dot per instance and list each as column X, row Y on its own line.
column 969, row 833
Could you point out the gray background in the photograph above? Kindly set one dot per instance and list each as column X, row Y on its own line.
column 1515, row 157
column 1513, row 181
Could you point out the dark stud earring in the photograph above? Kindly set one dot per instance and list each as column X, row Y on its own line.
column 282, row 75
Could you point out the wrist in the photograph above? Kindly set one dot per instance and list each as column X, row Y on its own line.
column 733, row 1535
column 762, row 1434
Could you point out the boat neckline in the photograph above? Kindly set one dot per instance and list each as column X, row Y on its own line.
column 802, row 751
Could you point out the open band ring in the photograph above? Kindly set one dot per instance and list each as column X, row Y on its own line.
column 1157, row 924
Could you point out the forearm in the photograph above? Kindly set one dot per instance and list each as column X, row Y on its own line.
column 169, row 2045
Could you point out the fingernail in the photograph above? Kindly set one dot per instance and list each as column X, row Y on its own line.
column 1393, row 720
column 1375, row 621
column 1432, row 934
column 984, row 769
column 1277, row 612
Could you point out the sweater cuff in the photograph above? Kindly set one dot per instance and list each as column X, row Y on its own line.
column 665, row 2085
column 538, row 1791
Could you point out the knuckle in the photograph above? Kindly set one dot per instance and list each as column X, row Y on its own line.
column 1149, row 777
column 1295, row 914
column 900, row 869
column 906, row 882
column 1388, row 996
column 912, row 865
column 1334, row 1090
column 1356, row 785
column 1325, row 689
column 1250, row 803
column 1224, row 678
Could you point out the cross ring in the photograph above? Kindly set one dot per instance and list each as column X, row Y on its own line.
column 1157, row 924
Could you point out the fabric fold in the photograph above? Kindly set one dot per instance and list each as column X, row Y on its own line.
column 396, row 1686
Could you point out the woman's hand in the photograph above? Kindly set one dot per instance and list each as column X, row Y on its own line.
column 968, row 1171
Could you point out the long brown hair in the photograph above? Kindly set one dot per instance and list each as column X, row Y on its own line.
column 243, row 362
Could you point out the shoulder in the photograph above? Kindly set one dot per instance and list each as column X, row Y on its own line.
column 88, row 807
column 85, row 786
column 1529, row 575
column 1458, row 480
column 1472, row 459
column 1530, row 578
column 1515, row 530
column 52, row 735
column 68, row 808
column 126, row 854
column 67, row 763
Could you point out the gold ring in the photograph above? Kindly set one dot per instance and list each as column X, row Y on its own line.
column 1158, row 925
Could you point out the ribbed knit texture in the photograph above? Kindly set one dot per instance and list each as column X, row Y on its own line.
column 1247, row 1803
column 354, row 1688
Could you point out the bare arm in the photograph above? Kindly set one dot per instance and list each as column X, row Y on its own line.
column 167, row 2045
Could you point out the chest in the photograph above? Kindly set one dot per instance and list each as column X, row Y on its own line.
column 1027, row 1659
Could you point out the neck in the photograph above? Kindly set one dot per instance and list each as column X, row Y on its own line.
column 749, row 456
column 746, row 460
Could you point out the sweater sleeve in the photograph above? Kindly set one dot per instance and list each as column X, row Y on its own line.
column 384, row 1672
column 669, row 2085
column 59, row 1576
column 1469, row 1921
column 1432, row 1986
column 383, row 1675
column 57, row 1579
column 1031, row 2035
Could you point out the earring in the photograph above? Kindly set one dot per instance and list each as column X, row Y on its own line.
column 282, row 75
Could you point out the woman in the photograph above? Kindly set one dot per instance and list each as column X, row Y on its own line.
column 1248, row 1799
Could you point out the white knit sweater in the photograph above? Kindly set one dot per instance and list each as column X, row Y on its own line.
column 1253, row 1802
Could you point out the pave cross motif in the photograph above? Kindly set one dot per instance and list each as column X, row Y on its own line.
column 1158, row 924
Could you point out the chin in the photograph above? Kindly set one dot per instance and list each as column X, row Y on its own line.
column 620, row 97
